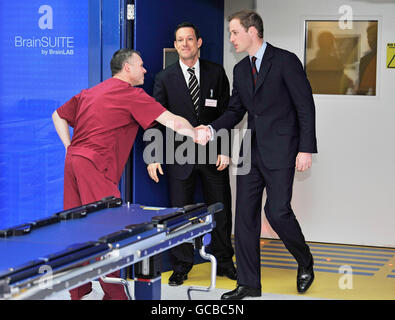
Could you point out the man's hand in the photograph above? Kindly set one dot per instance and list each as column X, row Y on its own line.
column 222, row 162
column 303, row 161
column 151, row 168
column 202, row 135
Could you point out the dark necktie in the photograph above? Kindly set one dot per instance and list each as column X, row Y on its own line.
column 254, row 71
column 193, row 87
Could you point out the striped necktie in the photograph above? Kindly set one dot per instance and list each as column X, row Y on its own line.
column 254, row 71
column 193, row 87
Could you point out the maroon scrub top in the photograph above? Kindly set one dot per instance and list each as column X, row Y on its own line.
column 106, row 119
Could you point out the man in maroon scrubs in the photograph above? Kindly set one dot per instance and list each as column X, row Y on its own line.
column 106, row 119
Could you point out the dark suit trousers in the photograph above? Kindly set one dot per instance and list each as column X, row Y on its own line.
column 250, row 187
column 216, row 188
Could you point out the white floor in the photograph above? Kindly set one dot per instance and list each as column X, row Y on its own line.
column 180, row 293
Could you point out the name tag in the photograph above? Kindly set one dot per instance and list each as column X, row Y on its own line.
column 211, row 103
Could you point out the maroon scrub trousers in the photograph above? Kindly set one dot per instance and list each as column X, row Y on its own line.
column 84, row 184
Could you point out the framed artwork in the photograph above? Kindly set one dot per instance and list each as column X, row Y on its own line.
column 340, row 61
column 170, row 56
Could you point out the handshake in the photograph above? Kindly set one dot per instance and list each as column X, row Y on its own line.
column 202, row 135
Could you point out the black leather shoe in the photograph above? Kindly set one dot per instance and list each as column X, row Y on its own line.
column 229, row 272
column 305, row 278
column 241, row 292
column 177, row 278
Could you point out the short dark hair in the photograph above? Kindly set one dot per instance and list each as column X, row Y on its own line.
column 188, row 25
column 119, row 58
column 248, row 19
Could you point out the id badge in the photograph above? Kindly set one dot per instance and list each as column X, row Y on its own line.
column 211, row 103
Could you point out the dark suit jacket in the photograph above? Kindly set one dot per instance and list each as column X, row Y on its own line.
column 280, row 110
column 367, row 73
column 170, row 89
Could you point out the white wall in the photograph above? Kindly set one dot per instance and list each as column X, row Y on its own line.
column 347, row 196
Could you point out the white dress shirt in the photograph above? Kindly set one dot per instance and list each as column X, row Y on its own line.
column 259, row 56
column 187, row 75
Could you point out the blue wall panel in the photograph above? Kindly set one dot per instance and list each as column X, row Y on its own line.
column 43, row 62
column 154, row 30
column 111, row 33
column 54, row 52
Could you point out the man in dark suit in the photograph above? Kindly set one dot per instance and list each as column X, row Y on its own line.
column 368, row 64
column 199, row 91
column 271, row 85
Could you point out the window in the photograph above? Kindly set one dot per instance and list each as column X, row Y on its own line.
column 341, row 61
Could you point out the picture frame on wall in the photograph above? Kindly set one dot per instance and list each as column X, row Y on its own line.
column 170, row 56
column 339, row 60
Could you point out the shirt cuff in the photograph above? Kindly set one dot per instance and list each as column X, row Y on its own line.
column 212, row 132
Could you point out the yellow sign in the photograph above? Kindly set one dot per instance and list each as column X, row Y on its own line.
column 390, row 55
